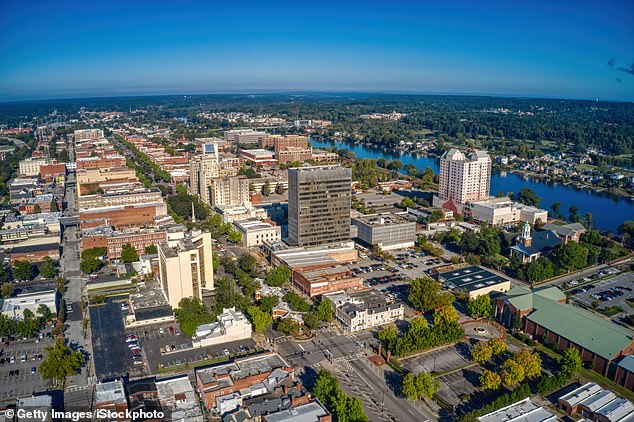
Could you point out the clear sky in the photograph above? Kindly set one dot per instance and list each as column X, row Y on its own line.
column 550, row 48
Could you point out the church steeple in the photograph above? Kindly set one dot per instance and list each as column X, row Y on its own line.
column 526, row 238
column 193, row 213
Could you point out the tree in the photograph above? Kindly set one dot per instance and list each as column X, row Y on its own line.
column 190, row 314
column 395, row 165
column 296, row 302
column 425, row 294
column 574, row 217
column 247, row 263
column 531, row 363
column 409, row 386
column 446, row 315
column 53, row 206
column 419, row 386
column 5, row 275
column 497, row 346
column 267, row 303
column 151, row 249
column 539, row 270
column 288, row 326
column 45, row 312
column 91, row 260
column 325, row 386
column 528, row 197
column 490, row 380
column 571, row 256
column 310, row 320
column 266, row 188
column 129, row 253
column 481, row 307
column 60, row 362
column 23, row 270
column 279, row 189
column 408, row 203
column 482, row 352
column 570, row 361
column 512, row 373
column 48, row 268
column 278, row 276
column 6, row 290
column 260, row 319
column 37, row 209
column 234, row 236
column 556, row 206
column 323, row 311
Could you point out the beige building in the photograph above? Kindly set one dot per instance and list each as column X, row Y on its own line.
column 256, row 232
column 243, row 136
column 229, row 191
column 463, row 179
column 31, row 166
column 294, row 154
column 88, row 135
column 209, row 166
column 500, row 211
column 230, row 325
column 186, row 268
column 127, row 197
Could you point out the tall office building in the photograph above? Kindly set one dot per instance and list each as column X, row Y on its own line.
column 463, row 179
column 319, row 205
column 209, row 166
column 229, row 191
column 185, row 268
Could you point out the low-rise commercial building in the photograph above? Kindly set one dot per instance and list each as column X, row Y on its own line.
column 123, row 216
column 258, row 157
column 522, row 411
column 178, row 400
column 593, row 403
column 364, row 309
column 312, row 411
column 230, row 214
column 501, row 211
column 31, row 166
column 257, row 232
column 289, row 154
column 14, row 307
column 387, row 231
column 474, row 281
column 113, row 241
column 230, row 325
column 243, row 136
column 126, row 197
column 326, row 280
column 111, row 396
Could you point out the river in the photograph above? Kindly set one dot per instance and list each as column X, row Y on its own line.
column 608, row 210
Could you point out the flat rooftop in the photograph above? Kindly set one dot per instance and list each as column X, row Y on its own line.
column 522, row 411
column 243, row 368
column 471, row 278
column 385, row 219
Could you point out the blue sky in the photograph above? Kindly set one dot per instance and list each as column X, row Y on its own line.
column 526, row 48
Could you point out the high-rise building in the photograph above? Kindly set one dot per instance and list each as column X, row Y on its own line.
column 463, row 179
column 185, row 268
column 319, row 199
column 209, row 166
column 228, row 191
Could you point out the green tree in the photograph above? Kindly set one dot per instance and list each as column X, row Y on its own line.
column 45, row 312
column 555, row 207
column 539, row 270
column 512, row 373
column 278, row 276
column 6, row 290
column 530, row 362
column 23, row 270
column 310, row 320
column 419, row 386
column 266, row 188
column 570, row 361
column 279, row 189
column 91, row 260
column 190, row 314
column 409, row 386
column 571, row 256
column 267, row 303
column 260, row 319
column 323, row 311
column 325, row 386
column 527, row 196
column 37, row 209
column 408, row 203
column 234, row 236
column 481, row 307
column 395, row 165
column 481, row 352
column 60, row 362
column 247, row 263
column 48, row 268
column 5, row 275
column 425, row 294
column 129, row 253
column 296, row 302
column 53, row 206
column 489, row 380
column 151, row 249
column 446, row 315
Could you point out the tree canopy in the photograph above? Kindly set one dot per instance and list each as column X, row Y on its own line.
column 191, row 313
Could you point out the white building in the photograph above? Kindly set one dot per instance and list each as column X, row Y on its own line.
column 31, row 166
column 231, row 325
column 88, row 135
column 14, row 307
column 463, row 179
column 230, row 214
column 243, row 136
column 229, row 191
column 365, row 309
column 522, row 411
column 500, row 211
column 256, row 232
column 41, row 402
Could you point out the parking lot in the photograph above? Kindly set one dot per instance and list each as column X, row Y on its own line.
column 613, row 292
column 164, row 346
column 408, row 265
column 442, row 360
column 454, row 386
column 18, row 367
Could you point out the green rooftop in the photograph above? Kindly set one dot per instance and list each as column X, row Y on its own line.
column 582, row 327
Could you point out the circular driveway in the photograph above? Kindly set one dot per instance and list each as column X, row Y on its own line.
column 481, row 330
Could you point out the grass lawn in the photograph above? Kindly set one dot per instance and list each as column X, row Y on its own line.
column 586, row 167
column 630, row 302
column 617, row 249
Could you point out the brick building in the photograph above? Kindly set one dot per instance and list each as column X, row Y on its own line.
column 121, row 217
column 326, row 280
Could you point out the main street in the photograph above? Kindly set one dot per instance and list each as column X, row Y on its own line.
column 346, row 356
column 69, row 265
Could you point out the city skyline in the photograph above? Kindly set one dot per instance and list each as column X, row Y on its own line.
column 533, row 49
